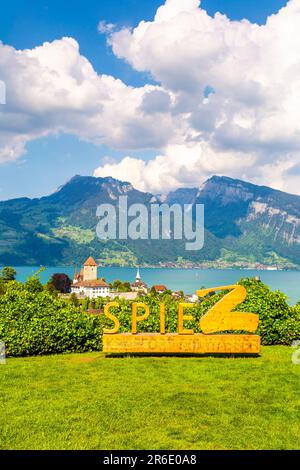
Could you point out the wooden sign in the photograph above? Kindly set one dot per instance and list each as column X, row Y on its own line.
column 219, row 319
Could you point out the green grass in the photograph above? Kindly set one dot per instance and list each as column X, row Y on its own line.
column 92, row 402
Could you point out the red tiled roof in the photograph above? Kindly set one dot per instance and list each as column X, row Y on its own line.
column 97, row 283
column 90, row 262
column 138, row 284
column 160, row 288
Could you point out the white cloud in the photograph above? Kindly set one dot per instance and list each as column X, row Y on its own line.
column 186, row 165
column 172, row 8
column 54, row 89
column 106, row 28
column 249, row 127
column 253, row 114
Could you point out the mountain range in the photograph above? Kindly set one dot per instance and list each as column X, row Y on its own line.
column 245, row 225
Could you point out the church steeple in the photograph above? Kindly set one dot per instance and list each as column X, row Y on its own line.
column 138, row 276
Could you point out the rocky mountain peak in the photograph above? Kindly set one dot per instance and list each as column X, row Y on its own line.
column 226, row 190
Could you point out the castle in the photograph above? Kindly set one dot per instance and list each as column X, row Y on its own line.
column 87, row 284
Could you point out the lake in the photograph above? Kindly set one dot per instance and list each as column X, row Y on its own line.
column 188, row 280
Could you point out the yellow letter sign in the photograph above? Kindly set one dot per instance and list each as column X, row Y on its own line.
column 221, row 318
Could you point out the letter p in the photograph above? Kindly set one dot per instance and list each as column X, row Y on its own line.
column 136, row 318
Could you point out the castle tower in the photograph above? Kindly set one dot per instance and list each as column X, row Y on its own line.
column 90, row 270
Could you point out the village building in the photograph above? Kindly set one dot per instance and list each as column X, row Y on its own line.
column 87, row 284
column 160, row 289
column 177, row 295
column 193, row 298
column 139, row 286
column 123, row 295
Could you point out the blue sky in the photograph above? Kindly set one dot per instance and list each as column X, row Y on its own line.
column 49, row 162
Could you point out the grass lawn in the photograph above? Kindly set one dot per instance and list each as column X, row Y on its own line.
column 92, row 402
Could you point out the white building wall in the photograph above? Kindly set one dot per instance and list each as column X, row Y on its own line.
column 91, row 292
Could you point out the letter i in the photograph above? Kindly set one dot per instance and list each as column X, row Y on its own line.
column 162, row 319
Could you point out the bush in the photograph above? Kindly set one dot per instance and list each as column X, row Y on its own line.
column 74, row 300
column 34, row 285
column 36, row 323
column 279, row 323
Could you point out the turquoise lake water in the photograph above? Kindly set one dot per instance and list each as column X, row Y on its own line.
column 188, row 280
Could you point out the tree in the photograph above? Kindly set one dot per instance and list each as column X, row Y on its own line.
column 8, row 274
column 49, row 287
column 127, row 286
column 116, row 285
column 33, row 285
column 61, row 282
column 119, row 286
column 153, row 291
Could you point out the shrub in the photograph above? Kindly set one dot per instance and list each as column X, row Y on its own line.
column 33, row 285
column 279, row 323
column 38, row 323
column 74, row 300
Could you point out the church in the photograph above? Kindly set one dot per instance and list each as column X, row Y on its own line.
column 139, row 286
column 87, row 284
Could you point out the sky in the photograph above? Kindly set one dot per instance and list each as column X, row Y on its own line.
column 163, row 94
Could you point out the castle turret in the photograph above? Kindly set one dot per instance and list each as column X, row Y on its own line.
column 90, row 270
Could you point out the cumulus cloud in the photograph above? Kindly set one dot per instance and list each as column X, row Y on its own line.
column 253, row 70
column 54, row 89
column 185, row 165
column 156, row 101
column 226, row 100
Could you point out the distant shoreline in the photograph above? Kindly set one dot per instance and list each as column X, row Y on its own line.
column 175, row 267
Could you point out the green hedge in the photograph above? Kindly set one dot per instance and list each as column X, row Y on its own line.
column 34, row 322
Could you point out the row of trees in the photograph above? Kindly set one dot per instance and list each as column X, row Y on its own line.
column 58, row 282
